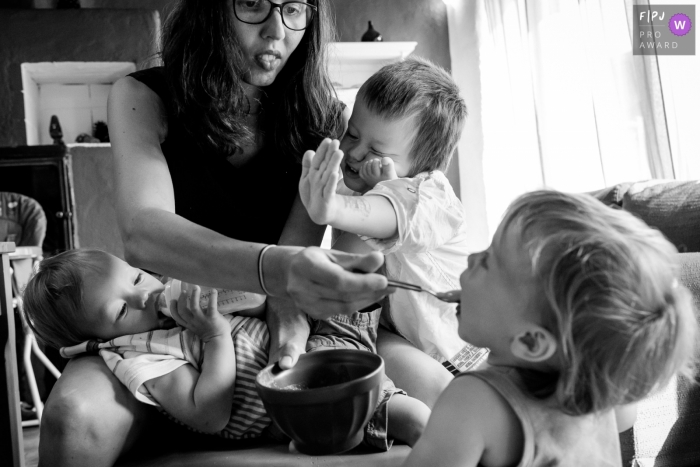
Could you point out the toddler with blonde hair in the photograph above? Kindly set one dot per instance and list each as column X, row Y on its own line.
column 583, row 313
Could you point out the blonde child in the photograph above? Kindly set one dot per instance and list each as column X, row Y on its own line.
column 202, row 371
column 405, row 125
column 581, row 309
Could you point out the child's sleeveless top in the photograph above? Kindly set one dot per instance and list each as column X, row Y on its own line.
column 249, row 203
column 551, row 437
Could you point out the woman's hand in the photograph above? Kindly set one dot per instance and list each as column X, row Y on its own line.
column 289, row 331
column 324, row 283
column 208, row 324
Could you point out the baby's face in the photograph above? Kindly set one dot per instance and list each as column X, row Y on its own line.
column 369, row 137
column 121, row 300
column 499, row 293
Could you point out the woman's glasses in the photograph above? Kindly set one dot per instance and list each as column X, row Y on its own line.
column 295, row 15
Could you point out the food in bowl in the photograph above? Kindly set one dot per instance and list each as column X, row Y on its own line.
column 325, row 401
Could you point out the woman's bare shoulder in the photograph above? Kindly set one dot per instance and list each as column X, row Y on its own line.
column 129, row 88
column 132, row 103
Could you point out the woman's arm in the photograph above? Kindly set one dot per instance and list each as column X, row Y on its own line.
column 289, row 327
column 157, row 239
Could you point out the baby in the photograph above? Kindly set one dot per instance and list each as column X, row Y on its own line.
column 201, row 372
column 582, row 312
column 405, row 125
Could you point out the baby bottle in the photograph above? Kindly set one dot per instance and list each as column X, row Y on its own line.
column 228, row 301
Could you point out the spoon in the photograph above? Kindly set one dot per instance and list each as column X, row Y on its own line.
column 451, row 296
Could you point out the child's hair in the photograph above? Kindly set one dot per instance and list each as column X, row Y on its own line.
column 623, row 323
column 417, row 87
column 53, row 298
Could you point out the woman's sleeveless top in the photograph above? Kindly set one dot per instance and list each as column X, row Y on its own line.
column 249, row 203
column 553, row 438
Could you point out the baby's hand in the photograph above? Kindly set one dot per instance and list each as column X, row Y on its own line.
column 205, row 324
column 375, row 170
column 320, row 173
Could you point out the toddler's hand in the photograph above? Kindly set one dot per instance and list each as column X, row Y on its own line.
column 377, row 170
column 320, row 173
column 205, row 324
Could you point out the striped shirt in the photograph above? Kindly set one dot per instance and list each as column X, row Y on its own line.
column 137, row 358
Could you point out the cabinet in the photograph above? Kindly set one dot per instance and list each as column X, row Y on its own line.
column 73, row 184
column 43, row 173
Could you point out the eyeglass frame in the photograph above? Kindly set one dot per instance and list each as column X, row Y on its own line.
column 273, row 5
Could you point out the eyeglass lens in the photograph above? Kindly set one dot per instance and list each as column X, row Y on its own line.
column 295, row 15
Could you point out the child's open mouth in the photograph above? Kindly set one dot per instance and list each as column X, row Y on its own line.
column 351, row 170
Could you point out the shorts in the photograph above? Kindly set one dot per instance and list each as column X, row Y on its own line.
column 358, row 331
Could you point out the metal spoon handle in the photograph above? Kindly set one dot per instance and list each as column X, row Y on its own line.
column 405, row 285
column 451, row 297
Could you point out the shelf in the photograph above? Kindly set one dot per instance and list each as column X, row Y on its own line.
column 351, row 63
column 74, row 91
column 371, row 51
column 88, row 145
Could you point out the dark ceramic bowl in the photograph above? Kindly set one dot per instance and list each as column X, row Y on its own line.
column 325, row 401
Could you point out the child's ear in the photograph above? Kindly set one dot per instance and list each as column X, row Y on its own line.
column 534, row 344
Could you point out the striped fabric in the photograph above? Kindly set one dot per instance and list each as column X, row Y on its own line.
column 137, row 358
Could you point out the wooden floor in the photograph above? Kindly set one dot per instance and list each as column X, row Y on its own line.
column 31, row 446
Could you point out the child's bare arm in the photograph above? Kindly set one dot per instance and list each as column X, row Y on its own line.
column 373, row 216
column 203, row 399
column 470, row 424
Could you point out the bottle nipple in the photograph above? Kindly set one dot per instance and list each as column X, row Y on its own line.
column 172, row 291
column 162, row 304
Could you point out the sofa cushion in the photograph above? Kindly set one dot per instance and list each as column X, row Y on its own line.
column 667, row 428
column 673, row 207
column 170, row 444
column 271, row 455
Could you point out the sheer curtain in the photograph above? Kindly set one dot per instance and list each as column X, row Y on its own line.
column 562, row 101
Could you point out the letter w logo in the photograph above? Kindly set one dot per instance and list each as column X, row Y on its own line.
column 679, row 25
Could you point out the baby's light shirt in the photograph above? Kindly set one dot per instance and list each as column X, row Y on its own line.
column 429, row 249
column 137, row 358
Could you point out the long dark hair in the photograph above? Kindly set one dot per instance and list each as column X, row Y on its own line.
column 203, row 66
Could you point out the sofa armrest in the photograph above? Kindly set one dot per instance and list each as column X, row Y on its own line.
column 613, row 195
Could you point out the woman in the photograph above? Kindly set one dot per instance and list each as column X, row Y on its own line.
column 206, row 173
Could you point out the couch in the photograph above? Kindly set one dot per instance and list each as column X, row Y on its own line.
column 667, row 430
